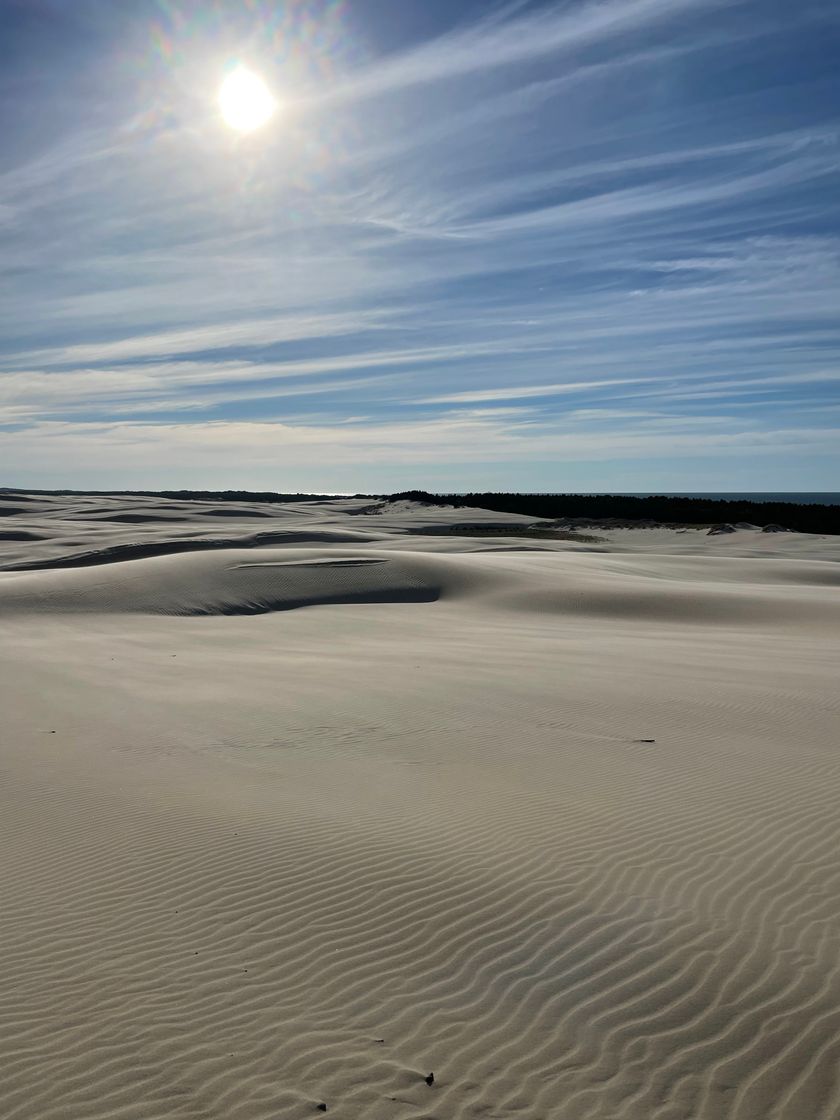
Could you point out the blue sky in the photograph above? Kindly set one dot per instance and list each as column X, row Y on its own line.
column 574, row 246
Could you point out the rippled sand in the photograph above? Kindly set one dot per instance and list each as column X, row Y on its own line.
column 301, row 804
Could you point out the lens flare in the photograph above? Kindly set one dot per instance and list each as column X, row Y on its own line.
column 245, row 100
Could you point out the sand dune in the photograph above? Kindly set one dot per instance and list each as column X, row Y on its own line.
column 298, row 815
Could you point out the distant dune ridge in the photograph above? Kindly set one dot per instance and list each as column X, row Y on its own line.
column 806, row 513
column 394, row 809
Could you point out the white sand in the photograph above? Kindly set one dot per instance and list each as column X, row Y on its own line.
column 257, row 858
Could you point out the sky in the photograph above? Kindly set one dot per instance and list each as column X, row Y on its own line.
column 576, row 246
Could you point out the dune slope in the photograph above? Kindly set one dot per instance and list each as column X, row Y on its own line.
column 302, row 822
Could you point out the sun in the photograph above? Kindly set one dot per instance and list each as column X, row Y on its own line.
column 245, row 100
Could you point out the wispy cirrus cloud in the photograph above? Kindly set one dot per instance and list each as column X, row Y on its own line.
column 516, row 392
column 235, row 454
column 493, row 42
column 239, row 333
column 601, row 230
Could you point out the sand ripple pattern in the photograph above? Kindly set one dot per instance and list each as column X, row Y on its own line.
column 257, row 864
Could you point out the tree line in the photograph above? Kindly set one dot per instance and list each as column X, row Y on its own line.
column 660, row 509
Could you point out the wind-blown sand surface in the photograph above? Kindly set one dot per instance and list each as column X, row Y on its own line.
column 556, row 821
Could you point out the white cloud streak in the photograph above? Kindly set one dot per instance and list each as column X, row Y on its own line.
column 541, row 207
column 530, row 36
column 233, row 447
column 514, row 392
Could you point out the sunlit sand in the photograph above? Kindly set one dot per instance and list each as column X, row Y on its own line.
column 303, row 804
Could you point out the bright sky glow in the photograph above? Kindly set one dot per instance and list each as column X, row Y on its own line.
column 542, row 245
column 245, row 100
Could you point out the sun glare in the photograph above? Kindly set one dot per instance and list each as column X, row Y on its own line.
column 245, row 100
